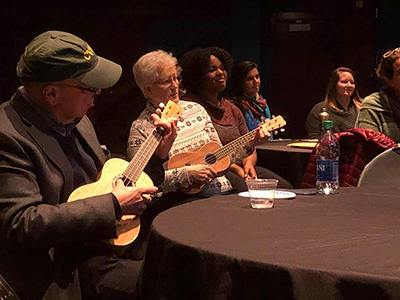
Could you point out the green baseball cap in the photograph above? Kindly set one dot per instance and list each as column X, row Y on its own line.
column 57, row 55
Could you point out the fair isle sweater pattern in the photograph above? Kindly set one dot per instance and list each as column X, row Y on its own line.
column 194, row 130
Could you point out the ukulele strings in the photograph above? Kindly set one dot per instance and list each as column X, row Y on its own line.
column 141, row 158
column 240, row 142
column 232, row 146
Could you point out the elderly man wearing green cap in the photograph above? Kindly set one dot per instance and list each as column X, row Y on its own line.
column 48, row 148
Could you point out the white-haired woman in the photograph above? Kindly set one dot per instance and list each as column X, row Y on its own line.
column 156, row 75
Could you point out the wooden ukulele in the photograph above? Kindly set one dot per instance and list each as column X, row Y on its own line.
column 217, row 156
column 131, row 173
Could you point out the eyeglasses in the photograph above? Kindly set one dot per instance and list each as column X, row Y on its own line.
column 168, row 82
column 95, row 91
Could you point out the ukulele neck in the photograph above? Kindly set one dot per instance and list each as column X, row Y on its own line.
column 232, row 146
column 142, row 157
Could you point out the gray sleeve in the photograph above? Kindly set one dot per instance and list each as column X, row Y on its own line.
column 28, row 221
column 367, row 119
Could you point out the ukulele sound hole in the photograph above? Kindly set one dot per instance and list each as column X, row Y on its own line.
column 125, row 180
column 211, row 159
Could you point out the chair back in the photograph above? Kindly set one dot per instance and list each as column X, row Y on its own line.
column 383, row 170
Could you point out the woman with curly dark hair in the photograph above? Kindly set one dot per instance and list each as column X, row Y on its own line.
column 205, row 72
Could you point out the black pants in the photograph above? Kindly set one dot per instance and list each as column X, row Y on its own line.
column 106, row 275
column 239, row 184
column 109, row 277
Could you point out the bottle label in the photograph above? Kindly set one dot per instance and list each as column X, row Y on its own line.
column 327, row 170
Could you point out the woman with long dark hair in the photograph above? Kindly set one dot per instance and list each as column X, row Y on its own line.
column 244, row 91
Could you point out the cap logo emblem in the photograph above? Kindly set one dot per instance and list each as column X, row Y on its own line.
column 88, row 53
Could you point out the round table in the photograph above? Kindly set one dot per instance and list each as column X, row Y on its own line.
column 343, row 246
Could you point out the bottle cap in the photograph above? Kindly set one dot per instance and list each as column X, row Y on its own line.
column 328, row 124
column 323, row 114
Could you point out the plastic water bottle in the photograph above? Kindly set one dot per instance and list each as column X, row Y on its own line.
column 328, row 152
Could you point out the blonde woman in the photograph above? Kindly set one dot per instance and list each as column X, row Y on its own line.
column 342, row 102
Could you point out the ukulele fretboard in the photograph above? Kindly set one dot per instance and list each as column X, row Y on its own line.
column 142, row 157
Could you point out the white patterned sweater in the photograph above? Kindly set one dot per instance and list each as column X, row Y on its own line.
column 194, row 130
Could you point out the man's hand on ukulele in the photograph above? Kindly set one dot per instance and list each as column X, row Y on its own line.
column 169, row 135
column 201, row 174
column 132, row 199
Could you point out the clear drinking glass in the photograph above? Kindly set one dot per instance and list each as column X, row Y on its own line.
column 262, row 192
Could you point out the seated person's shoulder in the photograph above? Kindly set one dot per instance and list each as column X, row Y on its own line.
column 377, row 99
column 239, row 102
column 5, row 117
column 143, row 122
column 86, row 123
column 232, row 104
column 228, row 103
column 320, row 105
column 191, row 107
column 316, row 109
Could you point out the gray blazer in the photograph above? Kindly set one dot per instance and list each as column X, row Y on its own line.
column 42, row 236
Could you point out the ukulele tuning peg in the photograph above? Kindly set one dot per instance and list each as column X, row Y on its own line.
column 276, row 132
column 161, row 105
column 282, row 129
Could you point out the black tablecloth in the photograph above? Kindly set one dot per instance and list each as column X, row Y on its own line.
column 344, row 246
column 288, row 162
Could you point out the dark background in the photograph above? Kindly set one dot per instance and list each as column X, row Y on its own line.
column 296, row 44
